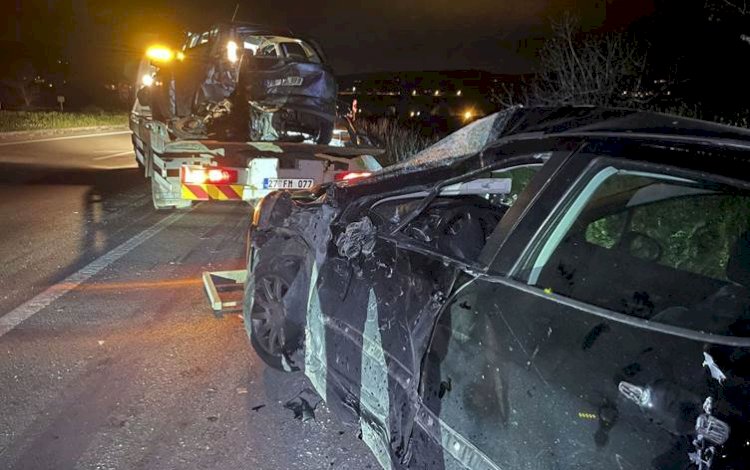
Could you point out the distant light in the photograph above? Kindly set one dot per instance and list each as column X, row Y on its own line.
column 411, row 114
column 232, row 55
column 458, row 93
column 419, row 113
column 354, row 89
column 159, row 53
column 414, row 93
column 468, row 115
column 147, row 79
column 437, row 92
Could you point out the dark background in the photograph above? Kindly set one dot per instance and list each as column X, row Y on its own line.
column 94, row 45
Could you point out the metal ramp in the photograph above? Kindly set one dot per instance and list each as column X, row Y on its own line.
column 225, row 290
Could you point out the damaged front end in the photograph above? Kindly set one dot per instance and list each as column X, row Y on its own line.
column 287, row 101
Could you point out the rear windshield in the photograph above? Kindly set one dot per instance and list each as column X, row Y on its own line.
column 279, row 46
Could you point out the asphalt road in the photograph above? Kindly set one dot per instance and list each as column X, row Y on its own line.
column 109, row 355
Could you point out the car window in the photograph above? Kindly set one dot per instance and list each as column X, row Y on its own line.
column 268, row 51
column 459, row 221
column 669, row 250
column 278, row 46
column 293, row 50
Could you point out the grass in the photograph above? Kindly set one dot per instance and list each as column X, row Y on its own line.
column 40, row 120
column 398, row 141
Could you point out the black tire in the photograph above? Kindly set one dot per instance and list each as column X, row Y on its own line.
column 325, row 133
column 265, row 315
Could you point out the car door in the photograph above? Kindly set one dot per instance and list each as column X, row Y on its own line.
column 600, row 350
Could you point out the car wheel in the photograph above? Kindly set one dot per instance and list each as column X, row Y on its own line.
column 265, row 314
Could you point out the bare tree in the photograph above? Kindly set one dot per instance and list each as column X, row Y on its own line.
column 583, row 69
column 18, row 77
column 731, row 11
column 741, row 7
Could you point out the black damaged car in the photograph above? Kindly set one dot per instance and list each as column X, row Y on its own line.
column 545, row 288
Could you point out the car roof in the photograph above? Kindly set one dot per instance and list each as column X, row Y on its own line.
column 248, row 27
column 571, row 121
column 587, row 120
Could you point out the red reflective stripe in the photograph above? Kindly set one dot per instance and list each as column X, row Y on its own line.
column 228, row 191
column 198, row 191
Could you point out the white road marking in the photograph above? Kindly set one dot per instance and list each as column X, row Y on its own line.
column 114, row 155
column 29, row 308
column 68, row 137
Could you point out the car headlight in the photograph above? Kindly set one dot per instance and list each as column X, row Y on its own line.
column 232, row 52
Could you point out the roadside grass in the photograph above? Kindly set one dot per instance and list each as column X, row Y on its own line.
column 40, row 120
column 399, row 142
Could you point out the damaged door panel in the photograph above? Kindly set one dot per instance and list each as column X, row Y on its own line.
column 605, row 327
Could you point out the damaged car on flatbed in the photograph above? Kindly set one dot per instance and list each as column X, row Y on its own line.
column 545, row 288
column 240, row 110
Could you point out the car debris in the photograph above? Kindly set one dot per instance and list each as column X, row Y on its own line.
column 303, row 405
column 716, row 373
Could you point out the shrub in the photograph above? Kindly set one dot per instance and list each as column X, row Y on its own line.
column 399, row 142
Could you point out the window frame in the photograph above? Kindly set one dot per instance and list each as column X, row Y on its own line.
column 579, row 173
column 481, row 263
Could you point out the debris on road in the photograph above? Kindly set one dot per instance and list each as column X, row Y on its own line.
column 301, row 405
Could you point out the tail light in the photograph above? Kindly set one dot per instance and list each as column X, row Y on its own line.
column 351, row 175
column 211, row 175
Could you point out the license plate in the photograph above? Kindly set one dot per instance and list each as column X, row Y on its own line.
column 287, row 183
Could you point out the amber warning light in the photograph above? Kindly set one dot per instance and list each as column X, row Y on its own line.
column 212, row 175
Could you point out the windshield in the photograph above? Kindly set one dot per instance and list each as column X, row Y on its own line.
column 279, row 46
column 466, row 141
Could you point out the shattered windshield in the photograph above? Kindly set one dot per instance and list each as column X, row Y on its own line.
column 466, row 141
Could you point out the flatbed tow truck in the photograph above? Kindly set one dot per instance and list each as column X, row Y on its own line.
column 239, row 111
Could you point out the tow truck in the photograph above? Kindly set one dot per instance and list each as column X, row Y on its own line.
column 239, row 111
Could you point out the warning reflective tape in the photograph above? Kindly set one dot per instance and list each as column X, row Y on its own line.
column 219, row 192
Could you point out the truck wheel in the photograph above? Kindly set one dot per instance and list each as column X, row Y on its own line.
column 265, row 314
column 325, row 133
column 162, row 200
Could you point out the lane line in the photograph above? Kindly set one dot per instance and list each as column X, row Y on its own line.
column 29, row 308
column 68, row 137
column 114, row 155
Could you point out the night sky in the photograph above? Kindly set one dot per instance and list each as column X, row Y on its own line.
column 495, row 35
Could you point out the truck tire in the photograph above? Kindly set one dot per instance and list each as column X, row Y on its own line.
column 265, row 315
column 164, row 201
